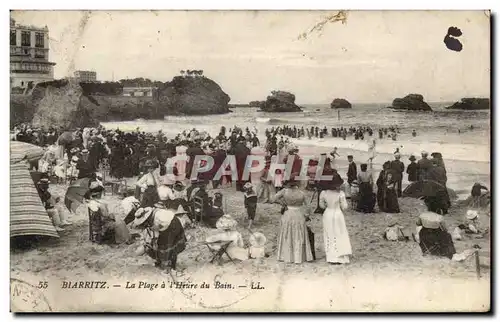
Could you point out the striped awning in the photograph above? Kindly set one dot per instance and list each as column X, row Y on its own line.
column 27, row 214
column 20, row 150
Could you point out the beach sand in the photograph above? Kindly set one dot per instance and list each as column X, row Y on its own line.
column 382, row 275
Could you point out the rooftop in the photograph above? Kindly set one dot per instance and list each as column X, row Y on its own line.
column 13, row 24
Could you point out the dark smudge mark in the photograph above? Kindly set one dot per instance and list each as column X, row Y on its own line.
column 451, row 41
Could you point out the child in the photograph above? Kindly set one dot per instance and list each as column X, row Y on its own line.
column 472, row 222
column 250, row 202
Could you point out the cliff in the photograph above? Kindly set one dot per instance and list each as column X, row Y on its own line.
column 70, row 104
column 411, row 102
column 340, row 103
column 471, row 104
column 193, row 96
column 56, row 103
column 280, row 101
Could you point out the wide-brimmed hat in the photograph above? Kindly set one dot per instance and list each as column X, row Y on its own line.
column 85, row 151
column 248, row 185
column 226, row 222
column 74, row 150
column 257, row 239
column 472, row 214
column 141, row 215
column 412, row 158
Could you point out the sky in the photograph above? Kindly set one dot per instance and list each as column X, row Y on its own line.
column 375, row 56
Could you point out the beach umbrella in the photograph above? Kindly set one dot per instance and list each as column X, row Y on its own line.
column 425, row 188
column 66, row 138
column 21, row 150
column 75, row 194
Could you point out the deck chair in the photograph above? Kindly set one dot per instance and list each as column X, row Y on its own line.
column 95, row 227
column 198, row 209
column 218, row 252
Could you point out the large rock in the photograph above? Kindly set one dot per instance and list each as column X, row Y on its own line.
column 280, row 101
column 471, row 104
column 411, row 102
column 193, row 96
column 60, row 103
column 340, row 103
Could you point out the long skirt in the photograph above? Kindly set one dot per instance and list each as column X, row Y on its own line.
column 293, row 240
column 436, row 242
column 149, row 197
column 366, row 199
column 336, row 237
column 171, row 242
column 391, row 201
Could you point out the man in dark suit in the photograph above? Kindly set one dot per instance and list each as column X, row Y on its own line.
column 352, row 171
column 398, row 167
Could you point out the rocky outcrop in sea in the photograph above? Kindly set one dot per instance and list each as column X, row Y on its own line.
column 411, row 102
column 471, row 103
column 280, row 101
column 340, row 103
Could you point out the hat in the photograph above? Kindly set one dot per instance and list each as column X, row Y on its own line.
column 472, row 214
column 151, row 146
column 141, row 215
column 85, row 151
column 163, row 218
column 43, row 181
column 94, row 185
column 178, row 185
column 226, row 222
column 257, row 239
column 74, row 159
column 425, row 153
column 412, row 158
column 248, row 185
column 150, row 164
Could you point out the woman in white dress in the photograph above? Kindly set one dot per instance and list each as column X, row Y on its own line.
column 336, row 238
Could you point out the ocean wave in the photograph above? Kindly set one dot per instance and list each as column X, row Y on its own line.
column 462, row 152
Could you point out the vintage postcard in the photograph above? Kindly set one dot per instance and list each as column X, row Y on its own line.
column 250, row 161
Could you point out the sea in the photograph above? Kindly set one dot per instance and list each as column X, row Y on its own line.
column 462, row 137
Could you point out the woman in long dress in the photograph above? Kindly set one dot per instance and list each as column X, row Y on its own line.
column 293, row 242
column 336, row 237
column 391, row 204
column 366, row 199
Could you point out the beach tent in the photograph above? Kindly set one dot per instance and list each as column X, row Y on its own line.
column 27, row 214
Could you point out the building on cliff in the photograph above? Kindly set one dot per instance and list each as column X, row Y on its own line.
column 29, row 55
column 85, row 76
column 139, row 91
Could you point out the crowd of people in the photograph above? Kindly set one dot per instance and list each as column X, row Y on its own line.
column 157, row 199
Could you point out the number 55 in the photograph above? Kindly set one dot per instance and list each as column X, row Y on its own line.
column 43, row 284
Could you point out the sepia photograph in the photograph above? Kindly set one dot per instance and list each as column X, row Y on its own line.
column 250, row 161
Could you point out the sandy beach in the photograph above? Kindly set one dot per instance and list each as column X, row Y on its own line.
column 382, row 275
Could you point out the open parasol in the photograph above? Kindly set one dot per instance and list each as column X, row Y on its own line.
column 425, row 188
column 75, row 193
